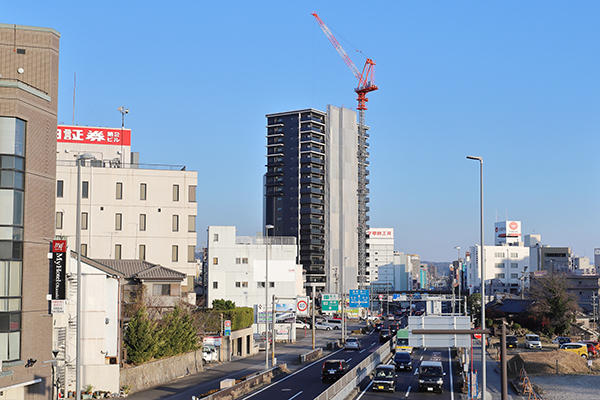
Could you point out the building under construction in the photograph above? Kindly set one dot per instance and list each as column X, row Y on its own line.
column 312, row 192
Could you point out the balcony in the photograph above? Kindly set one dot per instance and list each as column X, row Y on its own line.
column 312, row 180
column 314, row 160
column 274, row 191
column 311, row 170
column 311, row 200
column 312, row 231
column 317, row 211
column 311, row 128
column 311, row 190
column 310, row 118
column 311, row 221
column 312, row 149
column 309, row 138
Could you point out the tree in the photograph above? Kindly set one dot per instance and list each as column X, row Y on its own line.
column 177, row 334
column 222, row 305
column 474, row 306
column 554, row 306
column 140, row 340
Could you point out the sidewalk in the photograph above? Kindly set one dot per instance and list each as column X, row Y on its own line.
column 494, row 388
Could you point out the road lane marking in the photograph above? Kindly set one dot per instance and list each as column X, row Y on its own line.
column 348, row 360
column 451, row 382
column 296, row 395
column 364, row 391
column 289, row 376
column 361, row 351
column 407, row 391
column 286, row 390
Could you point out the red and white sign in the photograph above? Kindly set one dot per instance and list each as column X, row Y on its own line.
column 384, row 233
column 214, row 340
column 302, row 306
column 227, row 324
column 93, row 135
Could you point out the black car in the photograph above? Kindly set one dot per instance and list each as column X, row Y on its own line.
column 385, row 378
column 378, row 326
column 394, row 328
column 511, row 341
column 384, row 335
column 334, row 370
column 403, row 361
column 431, row 376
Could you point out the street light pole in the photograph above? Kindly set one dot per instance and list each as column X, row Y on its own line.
column 78, row 160
column 123, row 111
column 267, row 227
column 482, row 269
column 459, row 276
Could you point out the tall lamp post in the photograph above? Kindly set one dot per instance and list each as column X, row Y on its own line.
column 267, row 227
column 459, row 276
column 78, row 160
column 482, row 269
column 123, row 111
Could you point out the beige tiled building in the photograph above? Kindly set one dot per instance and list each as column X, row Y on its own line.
column 28, row 114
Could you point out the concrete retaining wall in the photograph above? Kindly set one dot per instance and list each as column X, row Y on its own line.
column 311, row 355
column 161, row 371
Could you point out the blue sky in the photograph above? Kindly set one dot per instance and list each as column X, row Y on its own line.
column 516, row 82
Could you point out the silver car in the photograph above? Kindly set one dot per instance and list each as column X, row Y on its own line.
column 352, row 344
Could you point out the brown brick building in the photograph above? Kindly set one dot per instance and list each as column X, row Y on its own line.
column 28, row 119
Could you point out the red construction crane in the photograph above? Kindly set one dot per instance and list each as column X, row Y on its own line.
column 365, row 80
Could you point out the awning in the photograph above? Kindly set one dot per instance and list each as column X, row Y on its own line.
column 33, row 382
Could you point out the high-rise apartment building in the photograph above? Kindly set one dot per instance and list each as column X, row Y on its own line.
column 28, row 114
column 311, row 188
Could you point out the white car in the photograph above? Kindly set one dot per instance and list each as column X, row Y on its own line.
column 352, row 344
column 301, row 325
column 323, row 326
column 533, row 341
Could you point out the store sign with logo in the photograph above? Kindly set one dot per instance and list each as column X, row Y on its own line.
column 59, row 267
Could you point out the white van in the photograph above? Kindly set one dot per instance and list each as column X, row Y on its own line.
column 533, row 341
column 336, row 323
column 209, row 353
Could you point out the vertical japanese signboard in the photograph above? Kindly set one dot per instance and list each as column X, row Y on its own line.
column 59, row 266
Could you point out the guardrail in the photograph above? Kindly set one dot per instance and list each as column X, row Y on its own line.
column 526, row 387
column 346, row 384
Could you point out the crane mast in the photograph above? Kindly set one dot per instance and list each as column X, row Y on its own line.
column 366, row 84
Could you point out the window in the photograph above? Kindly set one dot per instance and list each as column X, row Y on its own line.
column 119, row 191
column 499, row 255
column 215, row 260
column 499, row 265
column 175, row 192
column 59, row 220
column 215, row 285
column 245, row 260
column 142, row 251
column 161, row 289
column 514, row 276
column 514, row 255
column 84, row 221
column 192, row 194
column 238, row 260
column 142, row 191
column 175, row 224
column 85, row 190
column 118, row 221
column 175, row 253
column 271, row 284
column 260, row 285
column 191, row 223
column 59, row 188
column 216, row 237
column 142, row 222
column 514, row 265
column 244, row 284
column 238, row 284
column 84, row 249
column 191, row 253
column 117, row 251
column 500, row 276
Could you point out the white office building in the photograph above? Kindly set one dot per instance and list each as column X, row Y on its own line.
column 128, row 210
column 236, row 267
column 380, row 251
column 504, row 267
column 397, row 273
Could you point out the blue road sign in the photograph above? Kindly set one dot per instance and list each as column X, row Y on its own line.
column 359, row 298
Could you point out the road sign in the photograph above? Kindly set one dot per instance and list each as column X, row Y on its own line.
column 227, row 324
column 359, row 298
column 330, row 302
column 380, row 297
column 302, row 305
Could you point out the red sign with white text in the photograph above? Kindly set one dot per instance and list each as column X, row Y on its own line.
column 93, row 135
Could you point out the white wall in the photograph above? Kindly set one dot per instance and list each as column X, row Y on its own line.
column 283, row 270
column 508, row 255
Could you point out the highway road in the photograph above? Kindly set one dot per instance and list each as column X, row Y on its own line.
column 305, row 384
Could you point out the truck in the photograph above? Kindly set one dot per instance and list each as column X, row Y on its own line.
column 402, row 341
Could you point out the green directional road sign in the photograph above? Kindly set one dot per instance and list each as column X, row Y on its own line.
column 330, row 302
